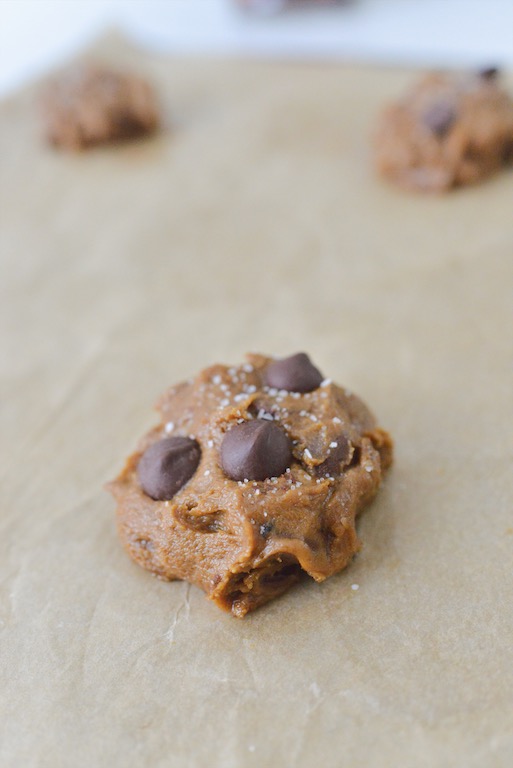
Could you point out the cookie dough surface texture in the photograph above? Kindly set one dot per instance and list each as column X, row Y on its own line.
column 89, row 105
column 449, row 130
column 273, row 488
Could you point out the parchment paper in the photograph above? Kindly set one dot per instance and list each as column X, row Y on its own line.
column 254, row 222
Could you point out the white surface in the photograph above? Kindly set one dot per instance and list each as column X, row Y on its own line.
column 36, row 34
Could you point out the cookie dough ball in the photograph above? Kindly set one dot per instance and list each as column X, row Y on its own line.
column 89, row 105
column 450, row 130
column 254, row 474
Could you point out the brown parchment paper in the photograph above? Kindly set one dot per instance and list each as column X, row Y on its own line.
column 254, row 222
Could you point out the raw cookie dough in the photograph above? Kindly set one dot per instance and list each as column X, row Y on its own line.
column 255, row 474
column 90, row 105
column 449, row 130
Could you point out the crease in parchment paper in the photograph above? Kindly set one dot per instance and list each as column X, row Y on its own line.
column 181, row 614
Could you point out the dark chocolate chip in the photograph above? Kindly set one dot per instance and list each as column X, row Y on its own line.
column 255, row 450
column 356, row 458
column 340, row 454
column 167, row 465
column 265, row 529
column 489, row 73
column 439, row 118
column 295, row 374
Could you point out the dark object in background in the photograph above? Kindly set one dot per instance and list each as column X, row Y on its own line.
column 269, row 7
column 88, row 105
column 489, row 73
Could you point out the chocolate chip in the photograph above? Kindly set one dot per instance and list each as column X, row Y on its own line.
column 341, row 453
column 295, row 374
column 489, row 73
column 255, row 450
column 439, row 118
column 167, row 465
column 265, row 529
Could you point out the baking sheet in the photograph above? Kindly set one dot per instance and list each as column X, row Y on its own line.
column 253, row 222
